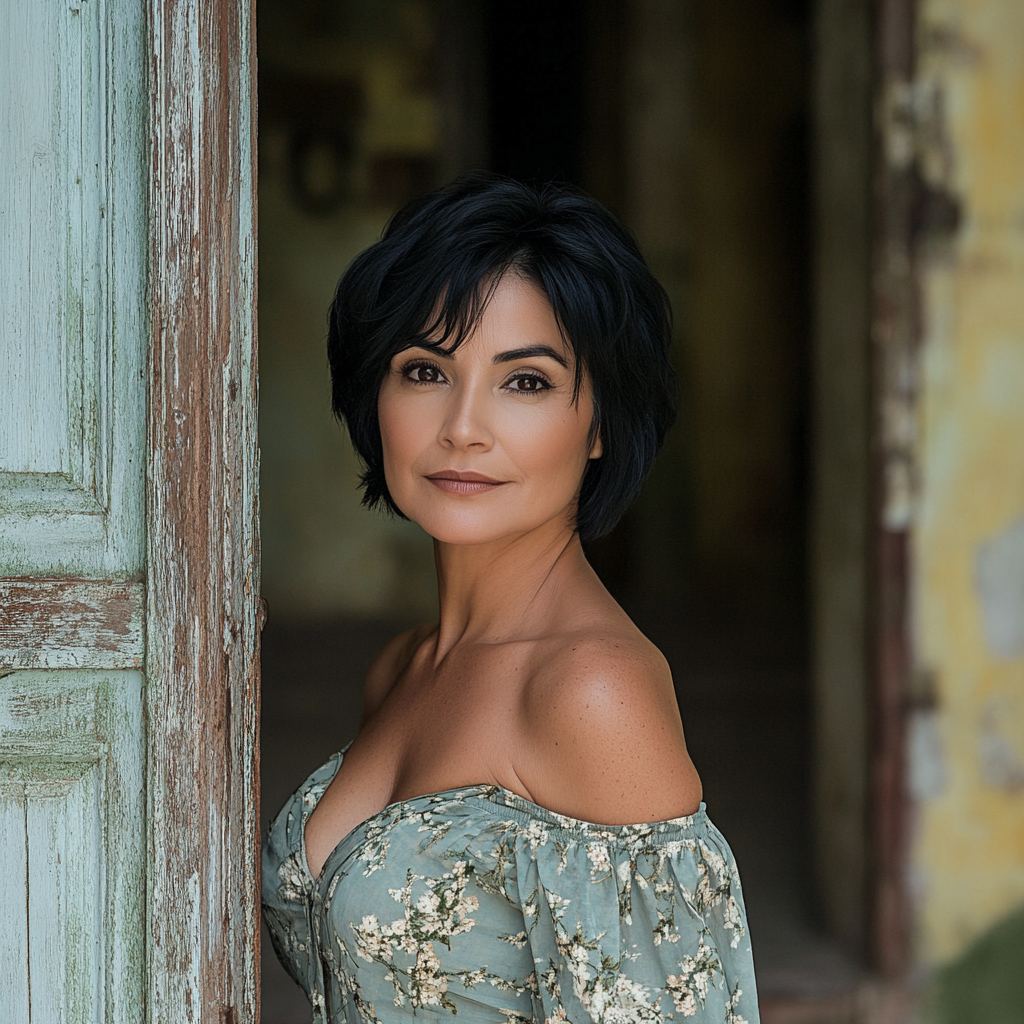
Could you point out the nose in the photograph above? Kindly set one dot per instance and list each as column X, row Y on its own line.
column 466, row 426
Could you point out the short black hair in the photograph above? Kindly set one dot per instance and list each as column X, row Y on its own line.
column 425, row 283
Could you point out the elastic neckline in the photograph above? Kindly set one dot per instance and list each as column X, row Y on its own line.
column 577, row 826
column 515, row 806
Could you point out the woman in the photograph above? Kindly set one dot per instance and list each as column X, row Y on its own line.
column 517, row 833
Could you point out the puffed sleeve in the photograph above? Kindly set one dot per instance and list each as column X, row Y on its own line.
column 635, row 923
column 288, row 886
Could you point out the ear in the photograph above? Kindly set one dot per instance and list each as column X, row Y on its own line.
column 596, row 449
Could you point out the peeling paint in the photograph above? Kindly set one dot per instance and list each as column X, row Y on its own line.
column 69, row 623
column 1000, row 756
column 968, row 532
column 999, row 579
column 203, row 553
column 926, row 759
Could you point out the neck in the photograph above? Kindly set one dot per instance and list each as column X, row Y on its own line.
column 500, row 591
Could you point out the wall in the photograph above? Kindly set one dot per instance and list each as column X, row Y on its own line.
column 655, row 146
column 967, row 742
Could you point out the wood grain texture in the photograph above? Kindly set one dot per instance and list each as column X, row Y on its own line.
column 70, row 623
column 14, row 981
column 72, row 906
column 203, row 587
column 73, row 263
column 73, row 342
column 51, row 250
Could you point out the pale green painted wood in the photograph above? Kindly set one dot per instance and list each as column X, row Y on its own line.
column 77, row 120
column 72, row 270
column 43, row 184
column 13, row 920
column 71, row 624
column 73, row 339
column 71, row 814
column 63, row 825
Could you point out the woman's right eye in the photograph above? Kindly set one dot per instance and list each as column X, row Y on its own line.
column 423, row 373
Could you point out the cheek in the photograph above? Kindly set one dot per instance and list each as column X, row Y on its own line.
column 401, row 432
column 552, row 447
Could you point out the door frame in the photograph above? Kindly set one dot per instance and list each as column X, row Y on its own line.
column 202, row 607
column 867, row 332
column 895, row 344
column 202, row 614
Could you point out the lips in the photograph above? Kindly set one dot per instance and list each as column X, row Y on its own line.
column 454, row 481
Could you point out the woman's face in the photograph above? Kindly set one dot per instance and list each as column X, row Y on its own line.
column 487, row 442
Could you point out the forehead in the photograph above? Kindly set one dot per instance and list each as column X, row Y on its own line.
column 516, row 314
column 516, row 306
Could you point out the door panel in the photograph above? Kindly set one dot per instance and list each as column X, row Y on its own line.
column 50, row 257
column 73, row 188
column 72, row 262
column 60, row 801
column 13, row 920
column 71, row 807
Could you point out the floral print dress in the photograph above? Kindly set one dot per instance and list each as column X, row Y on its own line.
column 478, row 904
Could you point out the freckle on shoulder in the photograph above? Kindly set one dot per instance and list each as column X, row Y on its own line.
column 603, row 681
column 608, row 707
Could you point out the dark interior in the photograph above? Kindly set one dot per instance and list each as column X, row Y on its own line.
column 711, row 563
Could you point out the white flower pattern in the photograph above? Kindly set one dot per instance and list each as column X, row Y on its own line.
column 504, row 912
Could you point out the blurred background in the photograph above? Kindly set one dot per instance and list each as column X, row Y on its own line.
column 830, row 551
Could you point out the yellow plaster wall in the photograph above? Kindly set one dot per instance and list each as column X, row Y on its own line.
column 967, row 756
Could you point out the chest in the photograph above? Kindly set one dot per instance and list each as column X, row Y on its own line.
column 433, row 732
column 406, row 918
column 455, row 727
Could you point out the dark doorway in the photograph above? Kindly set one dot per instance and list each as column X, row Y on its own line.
column 692, row 125
column 535, row 88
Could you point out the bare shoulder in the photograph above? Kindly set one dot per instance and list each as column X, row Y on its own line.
column 605, row 740
column 389, row 664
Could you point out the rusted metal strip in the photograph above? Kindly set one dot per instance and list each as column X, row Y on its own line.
column 203, row 548
column 67, row 623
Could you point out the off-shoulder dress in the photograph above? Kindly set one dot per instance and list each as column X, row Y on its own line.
column 477, row 906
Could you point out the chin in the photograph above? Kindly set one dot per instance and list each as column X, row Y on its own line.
column 465, row 528
column 467, row 523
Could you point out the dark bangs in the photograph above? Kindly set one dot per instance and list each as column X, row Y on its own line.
column 428, row 279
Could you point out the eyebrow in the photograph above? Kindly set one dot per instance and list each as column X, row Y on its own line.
column 513, row 354
column 529, row 353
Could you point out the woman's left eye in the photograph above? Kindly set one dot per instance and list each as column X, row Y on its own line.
column 528, row 383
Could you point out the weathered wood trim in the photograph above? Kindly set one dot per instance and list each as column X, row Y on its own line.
column 68, row 623
column 896, row 333
column 203, row 554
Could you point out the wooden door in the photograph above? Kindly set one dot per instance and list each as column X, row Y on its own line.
column 128, row 538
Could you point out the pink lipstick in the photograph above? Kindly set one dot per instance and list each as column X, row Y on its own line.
column 454, row 481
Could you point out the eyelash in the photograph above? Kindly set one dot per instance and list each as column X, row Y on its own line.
column 543, row 384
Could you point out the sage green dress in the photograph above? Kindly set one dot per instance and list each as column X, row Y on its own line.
column 479, row 904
